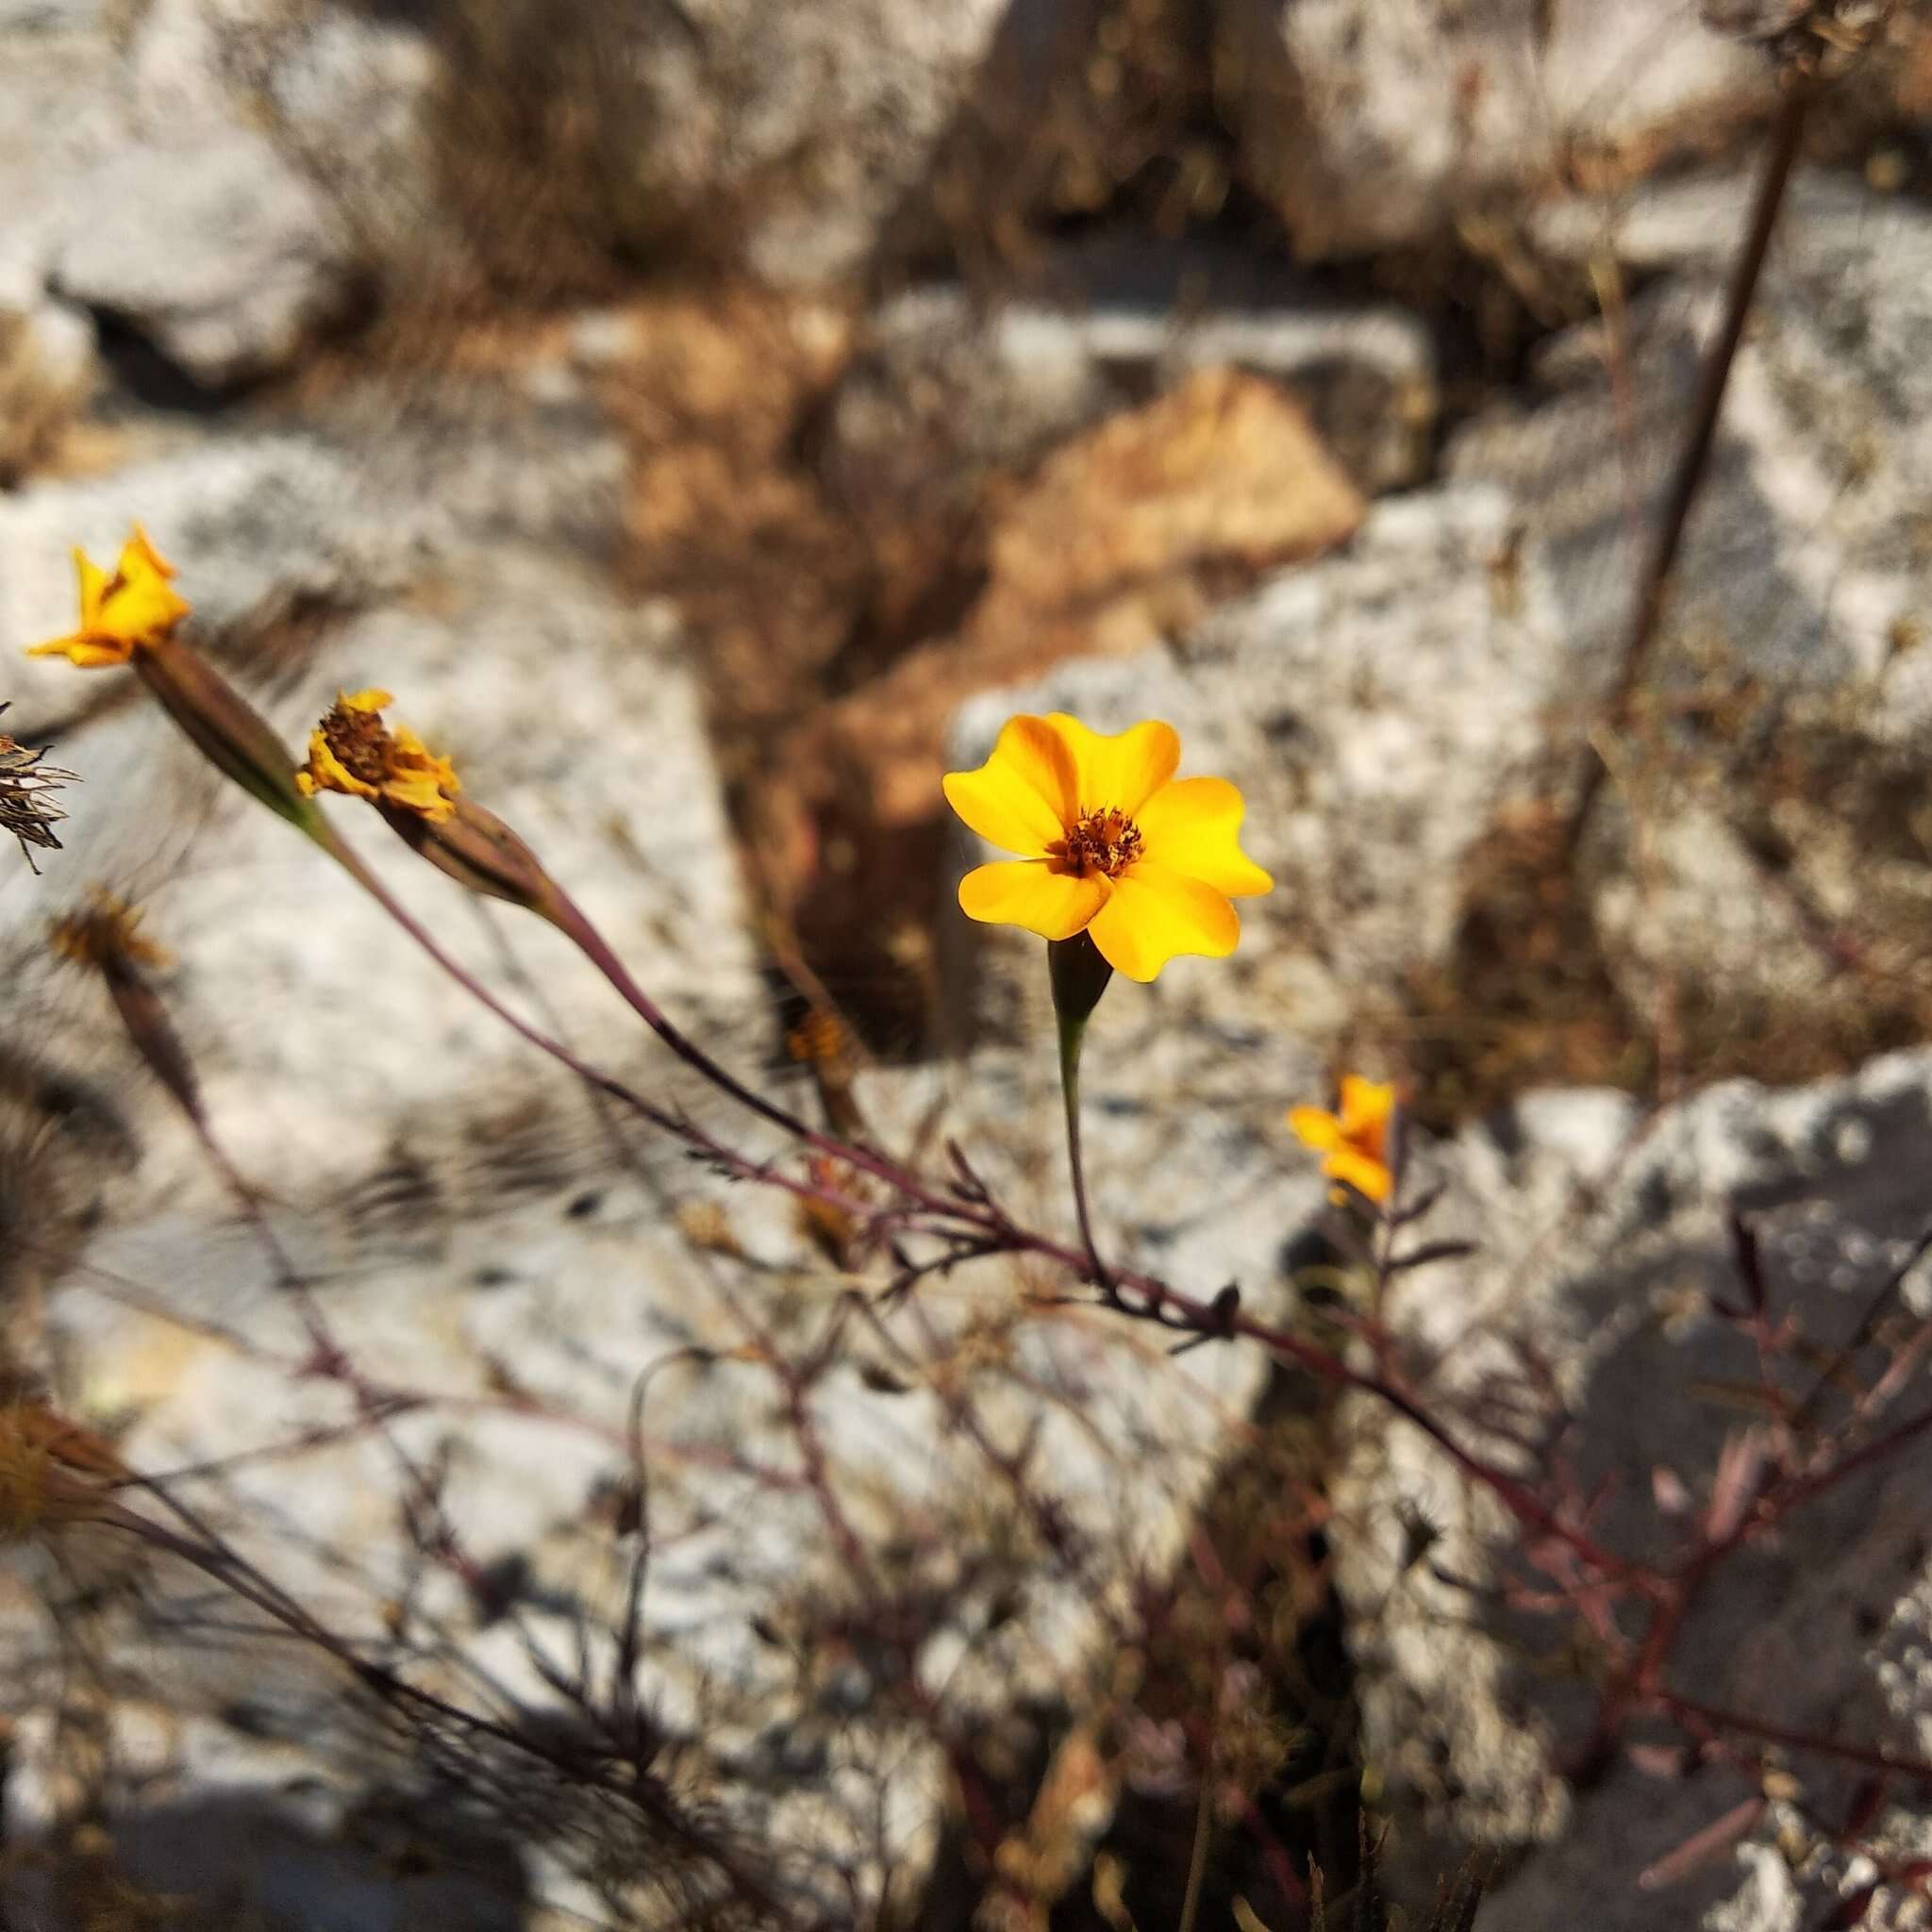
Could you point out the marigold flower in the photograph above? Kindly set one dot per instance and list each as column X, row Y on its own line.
column 352, row 750
column 1110, row 842
column 1354, row 1142
column 135, row 606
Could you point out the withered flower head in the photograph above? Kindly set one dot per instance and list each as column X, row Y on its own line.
column 52, row 1470
column 352, row 751
column 818, row 1037
column 105, row 933
column 26, row 806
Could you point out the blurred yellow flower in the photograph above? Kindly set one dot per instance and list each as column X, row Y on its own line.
column 52, row 1470
column 352, row 750
column 1110, row 842
column 135, row 606
column 104, row 934
column 1354, row 1143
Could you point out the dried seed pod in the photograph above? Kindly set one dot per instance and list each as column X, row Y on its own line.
column 26, row 806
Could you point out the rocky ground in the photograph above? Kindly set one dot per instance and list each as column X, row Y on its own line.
column 711, row 431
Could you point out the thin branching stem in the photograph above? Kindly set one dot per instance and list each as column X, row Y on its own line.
column 1687, row 476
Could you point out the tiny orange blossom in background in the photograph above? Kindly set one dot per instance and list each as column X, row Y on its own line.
column 1354, row 1140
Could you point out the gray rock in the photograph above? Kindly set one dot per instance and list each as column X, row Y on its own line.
column 138, row 184
column 217, row 252
column 230, row 177
column 266, row 524
column 1601, row 1235
column 844, row 107
column 1798, row 598
column 1798, row 557
column 785, row 138
column 351, row 98
column 355, row 1096
column 52, row 16
column 1373, row 123
column 56, row 122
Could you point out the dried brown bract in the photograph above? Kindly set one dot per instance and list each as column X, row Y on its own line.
column 26, row 805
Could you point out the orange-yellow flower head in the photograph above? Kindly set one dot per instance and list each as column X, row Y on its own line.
column 1110, row 843
column 104, row 934
column 352, row 750
column 1353, row 1141
column 135, row 606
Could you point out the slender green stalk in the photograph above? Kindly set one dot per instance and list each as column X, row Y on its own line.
column 1072, row 1033
column 1197, row 1858
column 1078, row 976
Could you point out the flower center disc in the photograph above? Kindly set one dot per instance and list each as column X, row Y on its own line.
column 360, row 741
column 1105, row 841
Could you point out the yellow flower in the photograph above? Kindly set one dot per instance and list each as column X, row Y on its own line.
column 352, row 750
column 1111, row 842
column 1354, row 1144
column 118, row 614
column 105, row 935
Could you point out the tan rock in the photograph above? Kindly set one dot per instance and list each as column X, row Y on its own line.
column 46, row 369
column 1224, row 474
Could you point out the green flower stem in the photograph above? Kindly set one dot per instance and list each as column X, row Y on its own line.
column 332, row 844
column 225, row 727
column 1078, row 977
column 564, row 913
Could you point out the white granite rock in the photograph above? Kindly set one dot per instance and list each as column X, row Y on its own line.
column 1373, row 123
column 139, row 184
column 1797, row 596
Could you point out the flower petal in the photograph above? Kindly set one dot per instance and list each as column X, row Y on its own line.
column 1194, row 827
column 93, row 580
column 325, row 772
column 1365, row 1175
column 1315, row 1127
column 1366, row 1105
column 1023, row 796
column 84, row 652
column 1124, row 771
column 138, row 552
column 1156, row 914
column 142, row 607
column 1025, row 893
